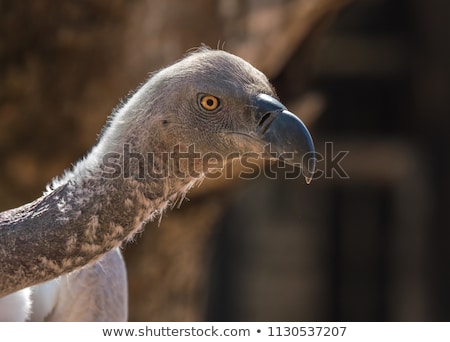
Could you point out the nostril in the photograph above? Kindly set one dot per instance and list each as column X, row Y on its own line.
column 265, row 122
column 263, row 119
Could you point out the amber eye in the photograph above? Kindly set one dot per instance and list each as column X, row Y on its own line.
column 209, row 102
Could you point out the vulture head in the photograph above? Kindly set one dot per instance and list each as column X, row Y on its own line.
column 214, row 104
column 152, row 150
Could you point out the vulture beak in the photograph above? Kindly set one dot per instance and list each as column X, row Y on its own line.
column 286, row 133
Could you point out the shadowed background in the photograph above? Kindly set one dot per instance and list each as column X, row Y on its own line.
column 370, row 76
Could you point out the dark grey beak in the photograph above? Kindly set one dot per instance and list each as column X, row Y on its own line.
column 286, row 133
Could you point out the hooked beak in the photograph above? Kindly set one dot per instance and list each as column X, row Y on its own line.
column 286, row 133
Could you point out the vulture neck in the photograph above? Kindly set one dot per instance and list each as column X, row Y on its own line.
column 89, row 212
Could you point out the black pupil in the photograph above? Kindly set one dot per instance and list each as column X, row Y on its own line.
column 209, row 102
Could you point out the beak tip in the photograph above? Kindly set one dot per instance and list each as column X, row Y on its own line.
column 309, row 167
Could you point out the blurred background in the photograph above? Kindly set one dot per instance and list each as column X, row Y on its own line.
column 370, row 76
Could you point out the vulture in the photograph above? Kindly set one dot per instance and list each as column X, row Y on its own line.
column 60, row 255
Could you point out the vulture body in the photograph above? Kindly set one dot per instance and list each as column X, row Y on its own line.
column 60, row 258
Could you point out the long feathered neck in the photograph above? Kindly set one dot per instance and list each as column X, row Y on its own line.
column 102, row 202
column 76, row 223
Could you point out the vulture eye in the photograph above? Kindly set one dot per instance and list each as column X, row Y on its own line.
column 209, row 102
